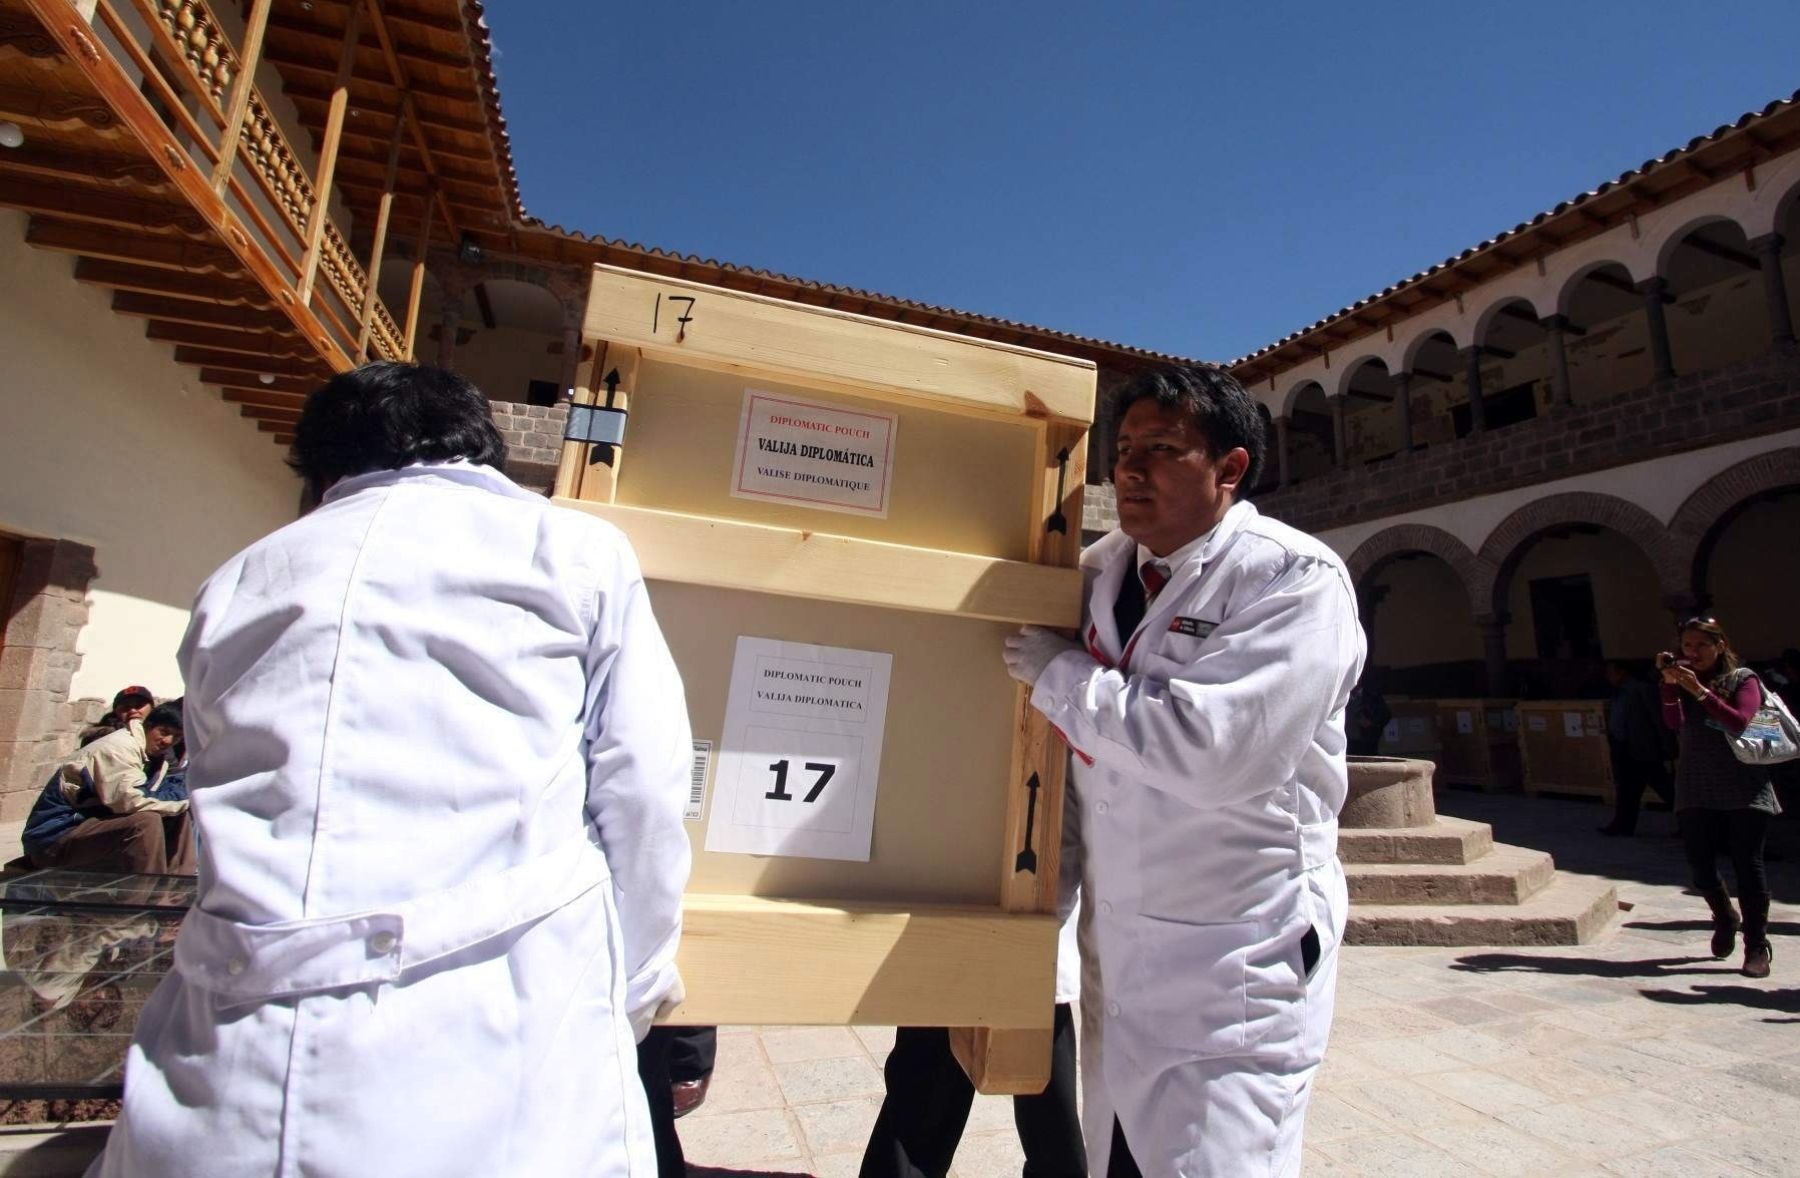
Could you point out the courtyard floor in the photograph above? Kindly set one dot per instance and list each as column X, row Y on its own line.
column 1636, row 1055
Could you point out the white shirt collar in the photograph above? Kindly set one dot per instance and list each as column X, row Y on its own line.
column 1201, row 547
column 460, row 470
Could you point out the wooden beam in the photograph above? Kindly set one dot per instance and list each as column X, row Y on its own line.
column 1502, row 353
column 308, row 97
column 1612, row 281
column 222, row 339
column 796, row 563
column 383, row 213
column 484, row 306
column 743, row 957
column 417, row 289
column 1365, row 395
column 291, row 29
column 264, row 413
column 267, row 398
column 1722, row 252
column 334, row 129
column 708, row 326
column 397, row 72
column 99, row 206
column 1515, row 311
column 40, row 157
column 297, row 61
column 242, row 87
column 173, row 310
column 236, row 378
column 170, row 283
column 119, row 245
column 253, row 364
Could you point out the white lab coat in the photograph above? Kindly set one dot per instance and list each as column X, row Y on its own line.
column 440, row 753
column 1208, row 774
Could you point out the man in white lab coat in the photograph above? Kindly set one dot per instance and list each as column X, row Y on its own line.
column 1205, row 710
column 439, row 756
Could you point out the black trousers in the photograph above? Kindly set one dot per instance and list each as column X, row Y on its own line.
column 1739, row 834
column 928, row 1101
column 691, row 1052
column 1630, row 778
column 653, row 1070
column 1121, row 1164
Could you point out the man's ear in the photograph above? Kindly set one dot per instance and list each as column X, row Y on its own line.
column 1233, row 466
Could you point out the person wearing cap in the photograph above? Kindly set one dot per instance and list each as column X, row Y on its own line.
column 101, row 811
column 1205, row 709
column 131, row 703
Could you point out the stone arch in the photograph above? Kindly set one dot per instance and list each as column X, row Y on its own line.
column 1565, row 294
column 1294, row 393
column 1671, row 241
column 1484, row 322
column 1401, row 539
column 1348, row 371
column 1409, row 356
column 1506, row 546
column 1703, row 515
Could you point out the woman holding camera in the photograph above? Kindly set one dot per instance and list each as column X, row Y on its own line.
column 1724, row 805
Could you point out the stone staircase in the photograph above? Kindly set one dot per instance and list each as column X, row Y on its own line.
column 1419, row 879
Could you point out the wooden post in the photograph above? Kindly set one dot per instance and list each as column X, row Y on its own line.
column 334, row 134
column 1018, row 1061
column 418, row 284
column 241, row 89
column 381, row 227
column 598, row 482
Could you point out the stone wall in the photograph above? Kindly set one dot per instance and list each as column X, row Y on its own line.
column 1741, row 400
column 534, row 438
column 38, row 720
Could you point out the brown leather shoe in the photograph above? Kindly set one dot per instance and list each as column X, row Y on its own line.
column 689, row 1095
column 1756, row 960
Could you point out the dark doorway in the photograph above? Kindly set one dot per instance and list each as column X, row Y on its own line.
column 1563, row 616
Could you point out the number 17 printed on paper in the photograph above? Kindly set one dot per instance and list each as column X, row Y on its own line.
column 799, row 763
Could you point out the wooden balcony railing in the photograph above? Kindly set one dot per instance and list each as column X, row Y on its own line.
column 196, row 77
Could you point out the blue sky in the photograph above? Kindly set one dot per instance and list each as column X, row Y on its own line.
column 1199, row 178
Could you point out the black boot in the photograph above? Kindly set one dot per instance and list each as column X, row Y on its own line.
column 1725, row 923
column 1757, row 953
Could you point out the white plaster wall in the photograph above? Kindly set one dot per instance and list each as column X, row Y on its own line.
column 1659, row 486
column 110, row 443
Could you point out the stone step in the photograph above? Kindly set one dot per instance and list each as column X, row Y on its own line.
column 1572, row 910
column 1505, row 875
column 1448, row 840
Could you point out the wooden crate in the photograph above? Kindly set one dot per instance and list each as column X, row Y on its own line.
column 951, row 920
column 1564, row 748
column 1412, row 729
column 1480, row 743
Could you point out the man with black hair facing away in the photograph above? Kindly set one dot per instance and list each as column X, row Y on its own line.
column 439, row 753
column 100, row 810
column 1205, row 708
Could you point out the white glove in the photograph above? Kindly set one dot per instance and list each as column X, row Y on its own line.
column 1031, row 650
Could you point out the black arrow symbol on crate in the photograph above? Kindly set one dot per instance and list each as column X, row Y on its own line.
column 603, row 451
column 1057, row 521
column 1027, row 860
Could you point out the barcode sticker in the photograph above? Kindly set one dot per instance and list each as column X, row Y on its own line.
column 696, row 803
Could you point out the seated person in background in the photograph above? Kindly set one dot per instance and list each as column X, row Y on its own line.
column 99, row 809
column 133, row 703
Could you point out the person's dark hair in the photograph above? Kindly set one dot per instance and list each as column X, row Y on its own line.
column 1221, row 408
column 163, row 716
column 384, row 416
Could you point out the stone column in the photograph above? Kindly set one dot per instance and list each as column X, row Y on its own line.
column 451, row 288
column 1656, row 293
column 1340, row 440
column 1282, row 466
column 1402, row 382
column 1493, row 651
column 1781, row 319
column 1561, row 393
column 1477, row 407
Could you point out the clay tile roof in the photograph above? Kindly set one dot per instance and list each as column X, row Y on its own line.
column 481, row 44
column 1574, row 204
